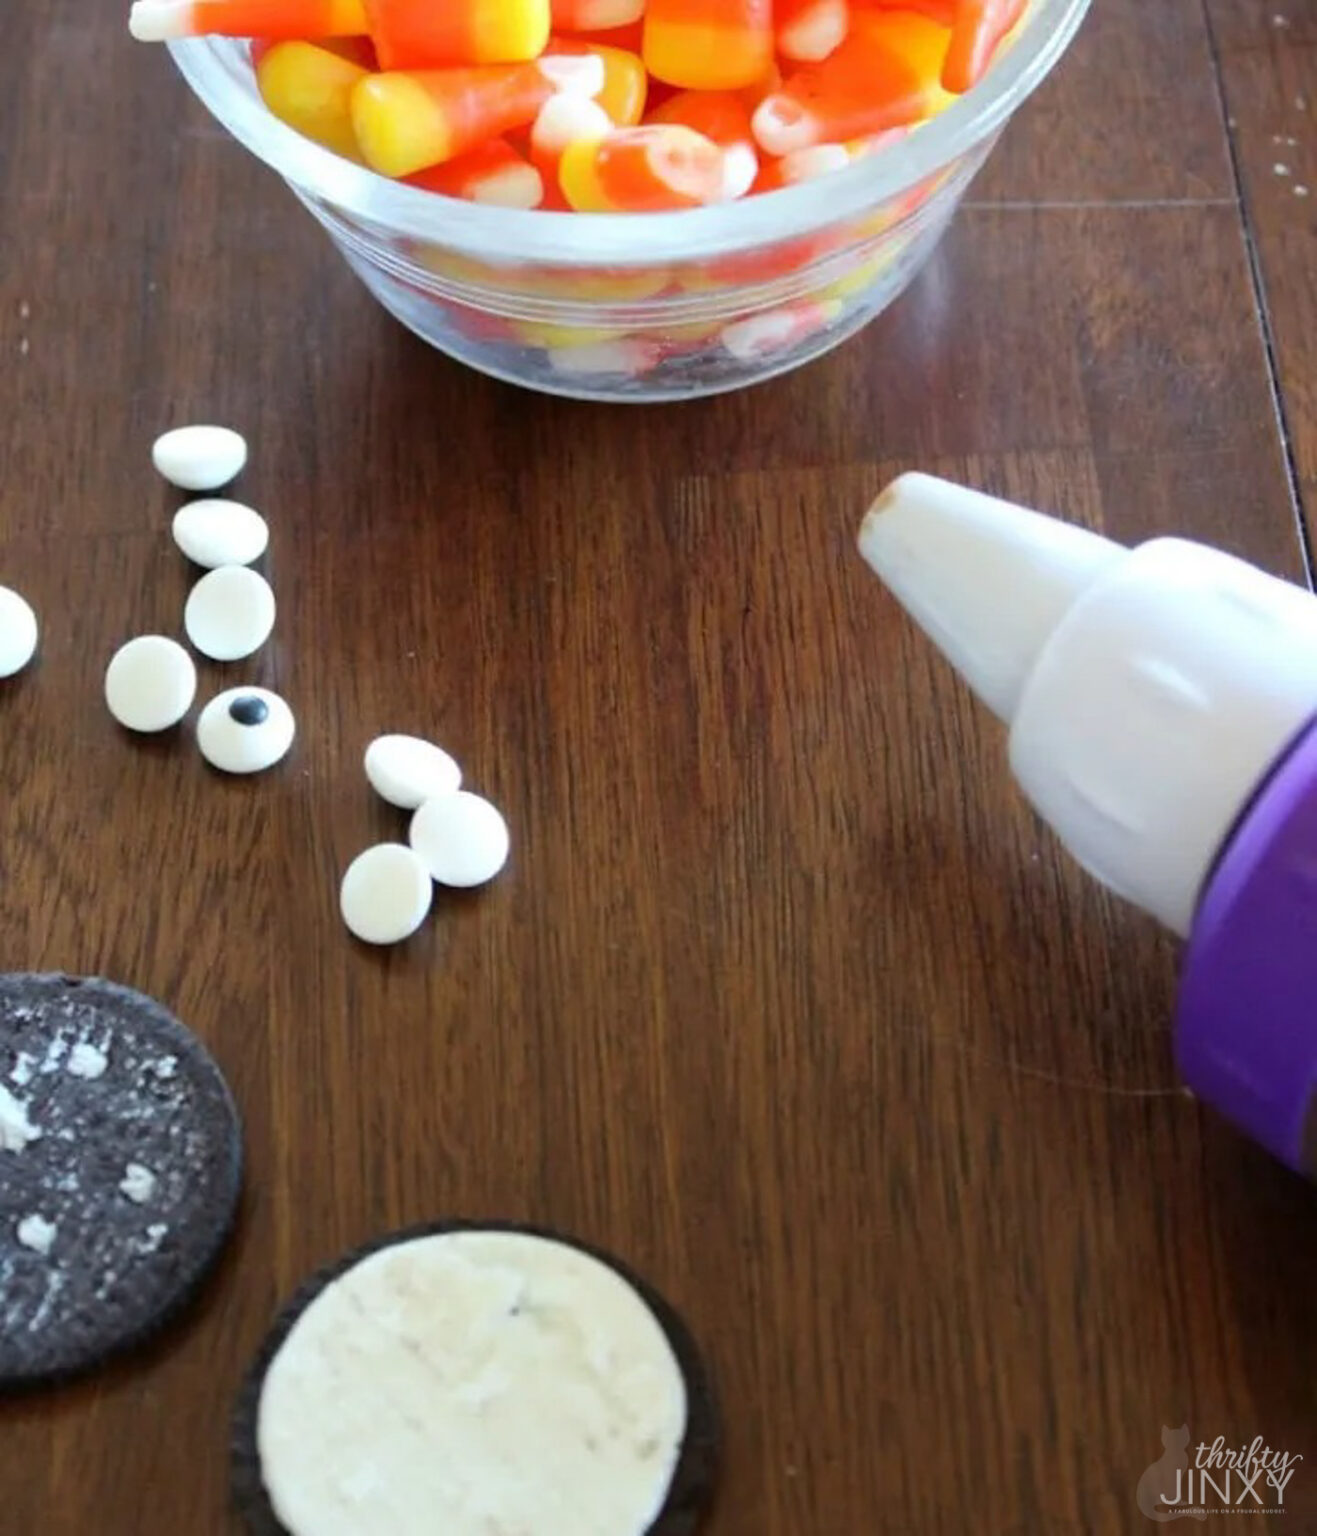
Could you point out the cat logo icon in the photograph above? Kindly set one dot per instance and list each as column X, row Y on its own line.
column 1161, row 1488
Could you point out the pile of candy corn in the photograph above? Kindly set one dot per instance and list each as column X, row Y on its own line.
column 602, row 106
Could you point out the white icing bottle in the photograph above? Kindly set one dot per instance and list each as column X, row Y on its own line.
column 1162, row 709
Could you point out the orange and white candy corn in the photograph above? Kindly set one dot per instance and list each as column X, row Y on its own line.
column 941, row 11
column 626, row 85
column 709, row 45
column 978, row 30
column 492, row 173
column 809, row 30
column 547, row 333
column 158, row 21
column 821, row 160
column 564, row 120
column 628, row 357
column 803, row 165
column 432, row 34
column 723, row 117
column 642, row 170
column 408, row 34
column 595, row 15
column 405, row 121
column 885, row 75
column 777, row 330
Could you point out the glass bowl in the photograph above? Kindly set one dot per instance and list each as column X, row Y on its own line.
column 643, row 307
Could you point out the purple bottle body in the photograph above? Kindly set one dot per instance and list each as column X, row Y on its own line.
column 1246, row 1019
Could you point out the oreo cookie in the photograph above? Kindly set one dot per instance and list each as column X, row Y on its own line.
column 120, row 1169
column 464, row 1377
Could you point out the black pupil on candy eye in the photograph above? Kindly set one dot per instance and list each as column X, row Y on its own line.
column 249, row 711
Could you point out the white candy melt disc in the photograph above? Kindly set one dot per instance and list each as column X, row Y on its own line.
column 216, row 532
column 199, row 458
column 18, row 632
column 406, row 771
column 386, row 894
column 150, row 683
column 245, row 730
column 462, row 838
column 229, row 613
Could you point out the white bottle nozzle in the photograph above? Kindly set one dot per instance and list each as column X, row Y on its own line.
column 1147, row 691
column 988, row 582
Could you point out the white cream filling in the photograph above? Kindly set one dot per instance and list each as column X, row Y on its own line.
column 36, row 1233
column 16, row 1130
column 87, row 1061
column 473, row 1384
column 138, row 1183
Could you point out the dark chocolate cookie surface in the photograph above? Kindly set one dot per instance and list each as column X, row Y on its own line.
column 120, row 1168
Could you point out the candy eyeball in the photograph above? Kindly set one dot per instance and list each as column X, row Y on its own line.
column 18, row 632
column 245, row 730
column 150, row 683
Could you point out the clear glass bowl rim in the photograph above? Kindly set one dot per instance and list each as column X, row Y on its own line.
column 219, row 72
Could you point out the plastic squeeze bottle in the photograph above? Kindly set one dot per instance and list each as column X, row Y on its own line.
column 1162, row 709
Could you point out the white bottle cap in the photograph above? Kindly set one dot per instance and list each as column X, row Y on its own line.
column 1148, row 692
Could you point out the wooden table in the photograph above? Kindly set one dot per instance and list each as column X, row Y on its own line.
column 785, row 997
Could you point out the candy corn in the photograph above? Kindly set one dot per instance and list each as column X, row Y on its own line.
column 691, row 335
column 356, row 50
column 414, row 35
column 977, row 31
column 407, row 33
column 407, row 121
column 709, row 45
column 595, row 15
column 564, row 120
column 723, row 117
column 630, row 37
column 631, row 357
column 777, row 330
column 476, row 324
column 885, row 74
column 978, row 28
column 639, row 170
column 820, row 160
column 860, row 279
column 941, row 11
column 544, row 333
column 310, row 89
column 803, row 165
column 762, row 264
column 626, row 84
column 492, row 173
column 157, row 21
column 625, row 105
column 587, row 284
column 764, row 85
column 808, row 30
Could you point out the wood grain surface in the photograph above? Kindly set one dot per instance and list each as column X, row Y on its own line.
column 785, row 996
